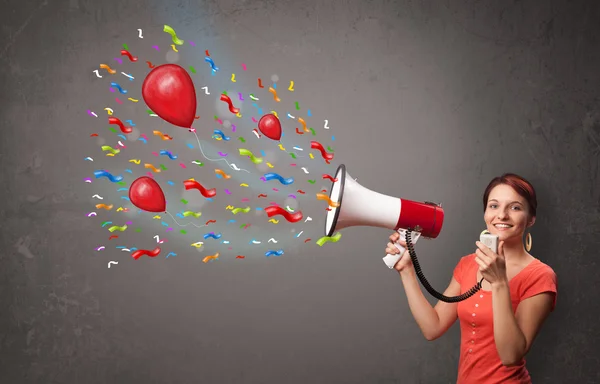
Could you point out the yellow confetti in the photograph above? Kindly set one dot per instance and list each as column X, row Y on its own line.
column 238, row 114
column 156, row 217
column 281, row 147
column 110, row 154
column 197, row 244
column 229, row 207
column 109, row 111
column 270, row 165
column 273, row 221
column 233, row 78
column 119, row 209
column 243, row 185
column 135, row 161
column 275, row 113
column 132, row 99
column 311, row 155
column 175, row 49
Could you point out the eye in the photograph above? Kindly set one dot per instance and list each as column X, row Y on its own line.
column 492, row 205
column 517, row 207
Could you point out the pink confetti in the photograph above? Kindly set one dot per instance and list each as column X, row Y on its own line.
column 119, row 60
column 144, row 136
column 276, row 190
column 118, row 101
column 155, row 154
column 169, row 229
column 150, row 175
column 227, row 191
column 245, row 199
column 293, row 164
column 253, row 119
column 182, row 165
column 244, row 66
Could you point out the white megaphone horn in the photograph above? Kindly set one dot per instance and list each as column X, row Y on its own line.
column 359, row 206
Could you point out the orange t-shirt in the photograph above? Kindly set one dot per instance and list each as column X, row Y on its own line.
column 479, row 360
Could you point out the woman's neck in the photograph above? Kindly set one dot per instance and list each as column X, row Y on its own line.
column 515, row 253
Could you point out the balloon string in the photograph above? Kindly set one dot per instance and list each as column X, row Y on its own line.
column 185, row 224
column 232, row 166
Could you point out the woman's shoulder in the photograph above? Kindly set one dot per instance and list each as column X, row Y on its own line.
column 538, row 267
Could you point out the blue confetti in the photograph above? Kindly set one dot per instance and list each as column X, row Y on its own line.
column 308, row 113
column 274, row 85
column 164, row 224
column 190, row 145
column 170, row 182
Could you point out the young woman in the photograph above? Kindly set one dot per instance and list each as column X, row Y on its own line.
column 499, row 323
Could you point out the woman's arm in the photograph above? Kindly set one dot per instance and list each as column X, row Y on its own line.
column 514, row 333
column 433, row 322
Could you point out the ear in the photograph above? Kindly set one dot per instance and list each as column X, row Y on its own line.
column 531, row 222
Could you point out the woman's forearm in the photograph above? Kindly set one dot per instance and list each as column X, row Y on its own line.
column 510, row 341
column 424, row 314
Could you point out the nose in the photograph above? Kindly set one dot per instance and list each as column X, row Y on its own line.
column 502, row 214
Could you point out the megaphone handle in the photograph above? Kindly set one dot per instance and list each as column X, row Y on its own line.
column 391, row 260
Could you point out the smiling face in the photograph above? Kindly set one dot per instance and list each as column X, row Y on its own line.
column 507, row 214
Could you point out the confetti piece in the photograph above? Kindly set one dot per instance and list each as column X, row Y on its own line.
column 223, row 174
column 107, row 207
column 143, row 252
column 245, row 152
column 274, row 92
column 109, row 69
column 150, row 166
column 238, row 210
column 171, row 32
column 190, row 213
column 117, row 228
column 211, row 258
column 321, row 196
column 274, row 253
column 326, row 239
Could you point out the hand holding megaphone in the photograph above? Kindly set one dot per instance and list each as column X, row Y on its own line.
column 397, row 251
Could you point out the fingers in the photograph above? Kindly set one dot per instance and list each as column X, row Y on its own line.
column 481, row 263
column 394, row 237
column 391, row 249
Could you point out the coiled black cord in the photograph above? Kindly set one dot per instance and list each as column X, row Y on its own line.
column 428, row 287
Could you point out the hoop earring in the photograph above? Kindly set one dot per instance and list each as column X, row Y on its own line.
column 528, row 242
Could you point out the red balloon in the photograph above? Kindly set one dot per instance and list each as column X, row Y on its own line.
column 270, row 126
column 146, row 194
column 169, row 91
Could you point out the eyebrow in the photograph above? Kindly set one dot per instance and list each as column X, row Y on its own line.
column 518, row 202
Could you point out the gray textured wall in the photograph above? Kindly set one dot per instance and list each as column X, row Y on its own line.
column 428, row 100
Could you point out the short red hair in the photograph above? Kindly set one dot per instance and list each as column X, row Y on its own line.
column 519, row 184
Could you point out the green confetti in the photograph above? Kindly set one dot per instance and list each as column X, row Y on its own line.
column 149, row 111
column 192, row 69
column 330, row 149
column 243, row 225
column 325, row 239
column 183, row 232
column 163, row 167
column 113, row 130
column 241, row 139
column 313, row 132
column 122, row 183
column 184, row 201
column 297, row 106
column 138, row 229
column 312, row 181
column 216, row 117
column 225, row 93
column 293, row 155
column 125, row 47
column 198, row 163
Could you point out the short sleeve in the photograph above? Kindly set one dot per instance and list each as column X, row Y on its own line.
column 458, row 270
column 542, row 280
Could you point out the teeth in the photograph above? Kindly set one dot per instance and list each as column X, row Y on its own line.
column 503, row 225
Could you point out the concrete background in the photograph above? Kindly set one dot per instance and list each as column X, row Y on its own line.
column 427, row 100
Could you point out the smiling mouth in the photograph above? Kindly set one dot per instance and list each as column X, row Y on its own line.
column 503, row 226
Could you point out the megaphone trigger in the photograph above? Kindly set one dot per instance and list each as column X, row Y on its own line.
column 391, row 260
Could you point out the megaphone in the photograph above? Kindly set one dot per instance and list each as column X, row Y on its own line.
column 355, row 205
column 359, row 206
